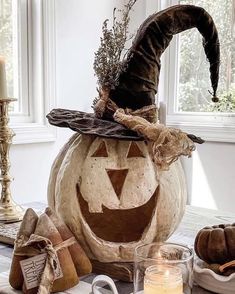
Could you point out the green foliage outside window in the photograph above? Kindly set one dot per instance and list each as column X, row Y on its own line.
column 226, row 104
column 194, row 81
column 6, row 40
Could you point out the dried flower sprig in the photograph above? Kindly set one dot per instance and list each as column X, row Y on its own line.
column 110, row 57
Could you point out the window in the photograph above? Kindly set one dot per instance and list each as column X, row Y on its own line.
column 9, row 46
column 27, row 43
column 194, row 82
column 187, row 77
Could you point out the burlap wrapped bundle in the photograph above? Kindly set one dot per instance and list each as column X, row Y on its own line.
column 80, row 260
column 40, row 235
column 27, row 228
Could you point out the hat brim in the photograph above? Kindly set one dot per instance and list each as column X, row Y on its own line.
column 88, row 124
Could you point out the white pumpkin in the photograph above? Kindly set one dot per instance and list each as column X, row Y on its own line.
column 113, row 198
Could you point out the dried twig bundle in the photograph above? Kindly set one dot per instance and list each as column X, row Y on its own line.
column 110, row 56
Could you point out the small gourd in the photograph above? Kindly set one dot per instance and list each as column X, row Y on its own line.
column 216, row 244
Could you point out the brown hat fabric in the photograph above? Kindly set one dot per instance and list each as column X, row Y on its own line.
column 138, row 83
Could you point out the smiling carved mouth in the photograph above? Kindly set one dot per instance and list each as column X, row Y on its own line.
column 119, row 225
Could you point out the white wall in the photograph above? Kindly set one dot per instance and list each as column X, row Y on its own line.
column 210, row 173
column 210, row 176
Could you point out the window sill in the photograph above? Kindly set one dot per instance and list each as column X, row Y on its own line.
column 213, row 132
column 33, row 133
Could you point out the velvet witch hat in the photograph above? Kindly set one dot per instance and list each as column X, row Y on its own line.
column 127, row 107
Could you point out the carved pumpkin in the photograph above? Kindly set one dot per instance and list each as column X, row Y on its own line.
column 112, row 197
column 216, row 244
column 108, row 182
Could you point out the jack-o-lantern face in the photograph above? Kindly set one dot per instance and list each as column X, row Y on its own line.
column 118, row 190
column 111, row 195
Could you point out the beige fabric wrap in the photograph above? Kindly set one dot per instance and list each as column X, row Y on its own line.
column 24, row 248
column 167, row 143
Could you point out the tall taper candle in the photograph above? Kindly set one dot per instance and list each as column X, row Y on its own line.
column 3, row 81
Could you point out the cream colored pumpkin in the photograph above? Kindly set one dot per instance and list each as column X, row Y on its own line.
column 113, row 198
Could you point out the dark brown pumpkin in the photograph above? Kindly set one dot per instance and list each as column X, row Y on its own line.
column 216, row 244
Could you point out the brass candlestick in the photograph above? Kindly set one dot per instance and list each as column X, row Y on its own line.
column 9, row 210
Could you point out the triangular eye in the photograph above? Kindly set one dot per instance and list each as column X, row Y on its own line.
column 134, row 151
column 101, row 151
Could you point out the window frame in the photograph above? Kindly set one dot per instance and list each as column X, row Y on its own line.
column 218, row 127
column 20, row 62
column 37, row 66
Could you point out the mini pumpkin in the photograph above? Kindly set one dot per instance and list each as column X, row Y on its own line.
column 118, row 183
column 216, row 244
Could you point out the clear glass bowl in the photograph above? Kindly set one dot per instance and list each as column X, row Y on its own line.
column 163, row 268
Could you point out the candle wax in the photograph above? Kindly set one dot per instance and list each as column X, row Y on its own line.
column 3, row 82
column 162, row 279
column 163, row 289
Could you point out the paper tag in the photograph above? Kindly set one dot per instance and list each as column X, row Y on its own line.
column 33, row 267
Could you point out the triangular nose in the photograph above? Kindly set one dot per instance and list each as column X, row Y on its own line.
column 117, row 178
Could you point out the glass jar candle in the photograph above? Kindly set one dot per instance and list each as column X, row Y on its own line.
column 163, row 268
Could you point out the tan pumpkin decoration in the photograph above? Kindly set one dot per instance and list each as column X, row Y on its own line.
column 216, row 244
column 112, row 197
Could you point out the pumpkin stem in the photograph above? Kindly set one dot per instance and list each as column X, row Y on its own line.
column 227, row 265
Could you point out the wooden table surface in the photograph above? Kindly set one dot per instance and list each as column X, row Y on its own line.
column 194, row 219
